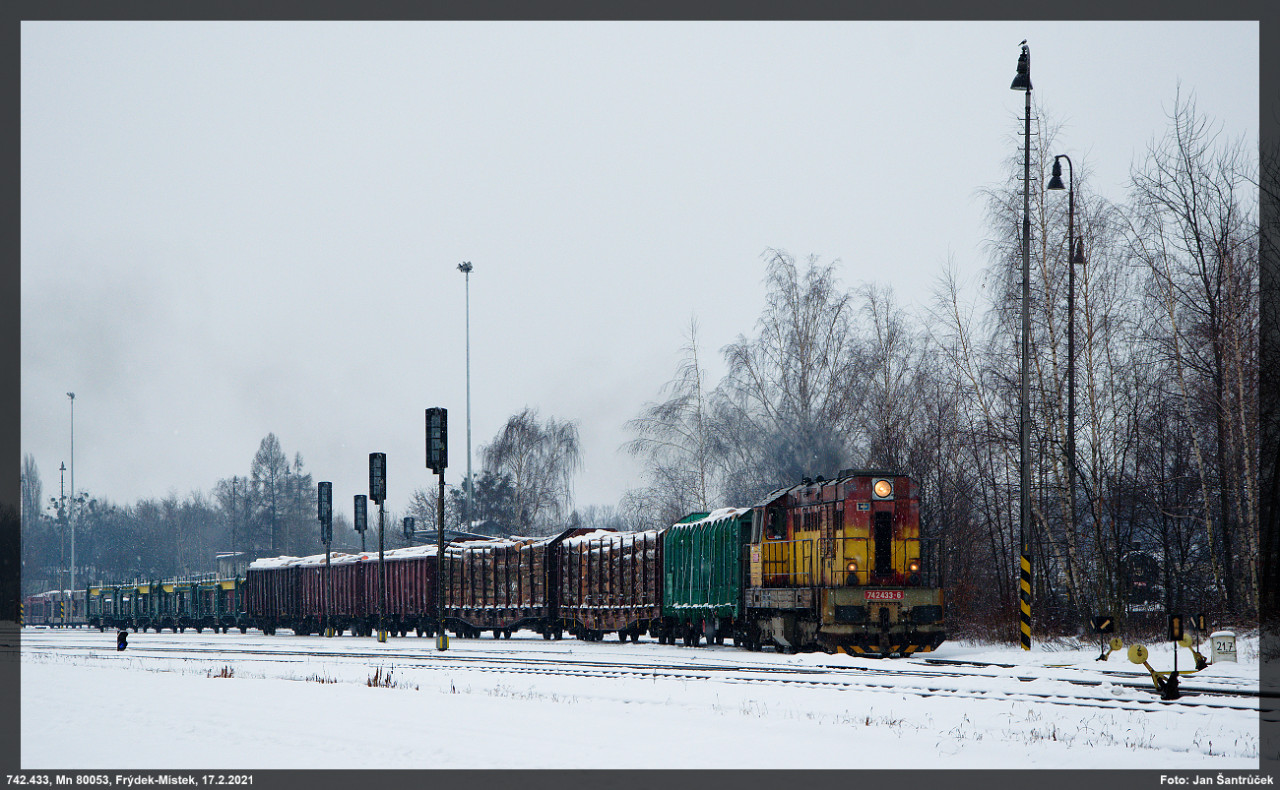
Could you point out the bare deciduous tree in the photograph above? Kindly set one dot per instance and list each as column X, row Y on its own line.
column 791, row 393
column 677, row 439
column 1192, row 226
column 540, row 460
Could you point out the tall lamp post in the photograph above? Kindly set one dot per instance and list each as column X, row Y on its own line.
column 1022, row 82
column 465, row 267
column 1075, row 256
column 62, row 533
column 71, row 513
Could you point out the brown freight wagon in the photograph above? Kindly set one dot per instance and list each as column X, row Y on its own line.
column 350, row 609
column 611, row 581
column 410, row 580
column 496, row 585
column 343, row 607
column 504, row 585
column 355, row 592
column 273, row 594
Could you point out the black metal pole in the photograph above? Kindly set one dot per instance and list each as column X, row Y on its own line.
column 442, row 639
column 382, row 581
column 1024, row 421
column 1071, row 343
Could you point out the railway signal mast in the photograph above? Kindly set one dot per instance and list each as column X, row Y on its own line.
column 362, row 517
column 378, row 493
column 437, row 460
column 324, row 512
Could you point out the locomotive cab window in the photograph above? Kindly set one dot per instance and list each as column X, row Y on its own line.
column 757, row 526
column 776, row 528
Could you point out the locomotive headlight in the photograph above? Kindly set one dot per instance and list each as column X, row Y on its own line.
column 852, row 567
column 882, row 489
column 914, row 566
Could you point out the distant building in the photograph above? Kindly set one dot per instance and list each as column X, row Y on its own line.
column 232, row 563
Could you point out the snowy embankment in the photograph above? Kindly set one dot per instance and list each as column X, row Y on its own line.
column 210, row 702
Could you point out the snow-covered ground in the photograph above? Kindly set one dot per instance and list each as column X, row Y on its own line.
column 221, row 702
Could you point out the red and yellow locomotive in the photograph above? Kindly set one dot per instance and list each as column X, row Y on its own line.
column 839, row 565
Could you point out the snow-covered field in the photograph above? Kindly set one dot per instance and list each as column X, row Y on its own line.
column 220, row 702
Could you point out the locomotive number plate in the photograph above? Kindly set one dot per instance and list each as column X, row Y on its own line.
column 884, row 595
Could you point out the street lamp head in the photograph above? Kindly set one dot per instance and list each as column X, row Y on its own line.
column 1056, row 181
column 71, row 395
column 1022, row 81
column 465, row 267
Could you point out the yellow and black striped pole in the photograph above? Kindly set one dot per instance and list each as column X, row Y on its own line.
column 1024, row 596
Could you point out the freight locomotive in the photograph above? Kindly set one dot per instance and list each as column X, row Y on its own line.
column 833, row 565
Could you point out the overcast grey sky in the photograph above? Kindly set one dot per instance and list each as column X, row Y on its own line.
column 230, row 229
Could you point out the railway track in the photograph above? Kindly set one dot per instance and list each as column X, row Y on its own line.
column 930, row 677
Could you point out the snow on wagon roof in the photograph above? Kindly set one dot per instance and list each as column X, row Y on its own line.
column 717, row 515
column 410, row 552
